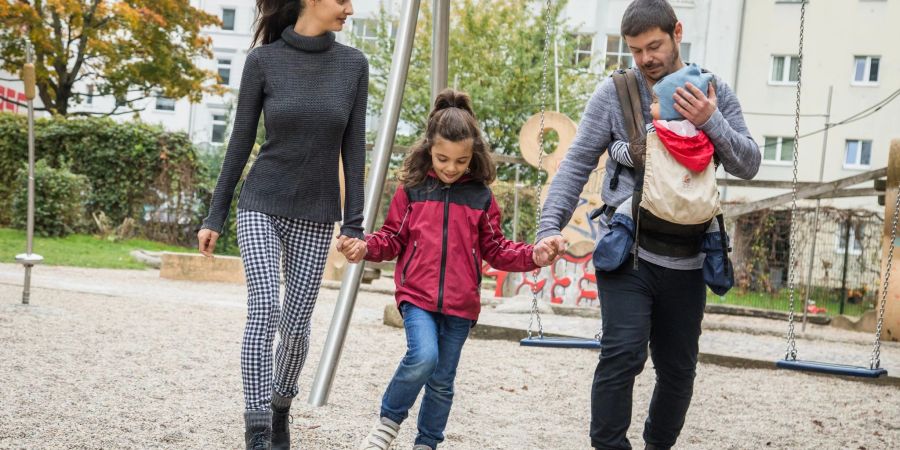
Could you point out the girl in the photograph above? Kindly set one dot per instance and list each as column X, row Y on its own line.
column 443, row 220
column 313, row 91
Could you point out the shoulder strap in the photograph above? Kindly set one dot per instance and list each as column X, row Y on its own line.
column 630, row 102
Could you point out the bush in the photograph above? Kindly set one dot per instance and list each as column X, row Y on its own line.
column 60, row 198
column 136, row 170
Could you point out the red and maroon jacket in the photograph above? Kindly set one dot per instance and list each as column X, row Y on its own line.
column 439, row 234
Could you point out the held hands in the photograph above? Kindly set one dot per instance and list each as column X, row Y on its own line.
column 693, row 105
column 548, row 250
column 353, row 249
column 206, row 241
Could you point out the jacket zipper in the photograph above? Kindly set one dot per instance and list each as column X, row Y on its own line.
column 406, row 266
column 440, row 305
column 477, row 267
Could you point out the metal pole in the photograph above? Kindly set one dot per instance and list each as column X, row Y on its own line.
column 815, row 235
column 390, row 115
column 846, row 239
column 29, row 259
column 440, row 46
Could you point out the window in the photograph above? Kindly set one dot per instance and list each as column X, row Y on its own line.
column 224, row 64
column 858, row 155
column 617, row 53
column 865, row 69
column 228, row 19
column 90, row 94
column 164, row 103
column 843, row 238
column 366, row 29
column 778, row 150
column 218, row 128
column 685, row 50
column 785, row 70
column 584, row 48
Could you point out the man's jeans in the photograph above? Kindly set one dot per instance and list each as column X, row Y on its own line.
column 663, row 307
column 434, row 342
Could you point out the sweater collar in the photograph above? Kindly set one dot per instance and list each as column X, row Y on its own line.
column 313, row 44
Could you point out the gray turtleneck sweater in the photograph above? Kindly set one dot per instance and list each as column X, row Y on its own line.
column 314, row 92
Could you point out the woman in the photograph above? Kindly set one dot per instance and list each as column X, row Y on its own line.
column 313, row 91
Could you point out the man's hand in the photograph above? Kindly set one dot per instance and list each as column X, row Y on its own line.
column 206, row 241
column 693, row 105
column 548, row 250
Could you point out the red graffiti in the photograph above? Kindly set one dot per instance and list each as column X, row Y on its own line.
column 584, row 281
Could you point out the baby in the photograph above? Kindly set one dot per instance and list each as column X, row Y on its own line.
column 688, row 145
column 693, row 150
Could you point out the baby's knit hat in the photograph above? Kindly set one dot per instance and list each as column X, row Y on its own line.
column 665, row 88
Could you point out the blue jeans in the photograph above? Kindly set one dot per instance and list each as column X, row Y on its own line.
column 434, row 342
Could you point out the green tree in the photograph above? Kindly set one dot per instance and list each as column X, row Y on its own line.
column 496, row 55
column 129, row 49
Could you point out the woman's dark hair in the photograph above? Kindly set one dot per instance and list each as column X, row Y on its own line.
column 453, row 119
column 644, row 15
column 272, row 17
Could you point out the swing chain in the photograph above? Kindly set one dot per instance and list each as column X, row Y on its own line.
column 546, row 56
column 791, row 352
column 875, row 362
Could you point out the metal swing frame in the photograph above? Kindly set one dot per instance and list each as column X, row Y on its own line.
column 790, row 361
column 540, row 340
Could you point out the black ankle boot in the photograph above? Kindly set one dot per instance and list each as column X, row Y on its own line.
column 281, row 433
column 258, row 438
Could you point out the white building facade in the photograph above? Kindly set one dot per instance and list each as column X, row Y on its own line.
column 849, row 48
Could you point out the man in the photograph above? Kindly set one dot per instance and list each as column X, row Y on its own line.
column 662, row 302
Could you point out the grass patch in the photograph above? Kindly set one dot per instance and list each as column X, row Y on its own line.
column 80, row 250
column 780, row 301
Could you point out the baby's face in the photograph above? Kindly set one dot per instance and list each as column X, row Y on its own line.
column 654, row 110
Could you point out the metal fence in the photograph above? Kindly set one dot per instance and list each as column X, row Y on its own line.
column 837, row 261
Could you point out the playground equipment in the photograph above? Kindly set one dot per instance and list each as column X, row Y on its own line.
column 790, row 360
column 540, row 340
column 29, row 259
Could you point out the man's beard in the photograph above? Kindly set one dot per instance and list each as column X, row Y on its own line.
column 669, row 66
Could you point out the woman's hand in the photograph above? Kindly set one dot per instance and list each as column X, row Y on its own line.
column 353, row 249
column 206, row 241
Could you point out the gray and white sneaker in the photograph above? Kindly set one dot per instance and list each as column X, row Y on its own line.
column 382, row 435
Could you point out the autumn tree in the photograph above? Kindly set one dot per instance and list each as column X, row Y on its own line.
column 130, row 49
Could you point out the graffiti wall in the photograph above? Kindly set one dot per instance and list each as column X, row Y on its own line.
column 571, row 281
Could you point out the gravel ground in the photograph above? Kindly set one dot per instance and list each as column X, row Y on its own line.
column 155, row 364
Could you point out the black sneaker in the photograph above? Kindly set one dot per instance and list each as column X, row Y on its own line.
column 258, row 438
column 281, row 432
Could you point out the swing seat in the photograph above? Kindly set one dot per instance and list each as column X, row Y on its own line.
column 831, row 369
column 560, row 342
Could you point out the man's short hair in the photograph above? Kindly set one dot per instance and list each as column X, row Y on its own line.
column 644, row 15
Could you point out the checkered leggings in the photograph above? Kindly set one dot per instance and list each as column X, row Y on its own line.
column 267, row 242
